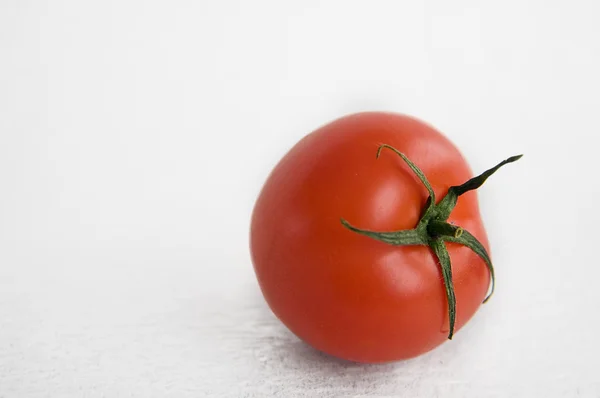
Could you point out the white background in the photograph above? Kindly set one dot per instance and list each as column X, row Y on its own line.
column 135, row 136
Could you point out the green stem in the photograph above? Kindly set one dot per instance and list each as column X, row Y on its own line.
column 433, row 230
column 443, row 229
column 447, row 204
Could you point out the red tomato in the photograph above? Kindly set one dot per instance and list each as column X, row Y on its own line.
column 347, row 294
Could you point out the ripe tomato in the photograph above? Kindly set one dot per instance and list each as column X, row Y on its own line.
column 354, row 296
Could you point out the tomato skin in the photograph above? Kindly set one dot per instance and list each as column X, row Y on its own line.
column 346, row 294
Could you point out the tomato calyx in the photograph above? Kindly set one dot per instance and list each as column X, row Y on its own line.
column 434, row 230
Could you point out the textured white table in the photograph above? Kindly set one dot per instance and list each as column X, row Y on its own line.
column 135, row 135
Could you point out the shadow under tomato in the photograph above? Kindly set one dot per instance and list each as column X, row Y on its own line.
column 276, row 346
column 238, row 331
column 241, row 340
column 292, row 365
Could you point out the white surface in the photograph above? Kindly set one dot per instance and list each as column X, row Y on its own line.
column 135, row 136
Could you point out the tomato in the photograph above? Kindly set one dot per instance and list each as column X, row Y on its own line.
column 338, row 286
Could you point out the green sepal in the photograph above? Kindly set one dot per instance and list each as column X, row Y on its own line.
column 439, row 248
column 468, row 240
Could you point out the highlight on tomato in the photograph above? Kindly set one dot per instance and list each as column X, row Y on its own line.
column 367, row 240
